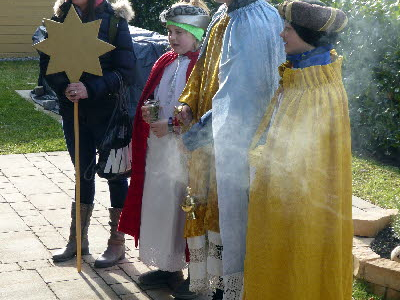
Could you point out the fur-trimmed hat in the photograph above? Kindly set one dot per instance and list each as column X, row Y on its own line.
column 313, row 15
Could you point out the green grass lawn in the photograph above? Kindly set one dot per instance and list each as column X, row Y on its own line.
column 22, row 128
column 25, row 130
column 379, row 184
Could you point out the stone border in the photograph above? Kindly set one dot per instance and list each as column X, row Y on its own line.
column 26, row 95
column 369, row 219
column 382, row 274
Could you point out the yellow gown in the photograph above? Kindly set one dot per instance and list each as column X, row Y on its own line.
column 299, row 237
column 202, row 233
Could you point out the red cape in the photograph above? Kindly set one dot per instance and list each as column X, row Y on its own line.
column 129, row 221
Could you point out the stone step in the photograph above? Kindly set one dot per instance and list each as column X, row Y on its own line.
column 369, row 219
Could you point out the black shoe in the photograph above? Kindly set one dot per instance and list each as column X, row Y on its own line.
column 218, row 294
column 183, row 293
column 159, row 278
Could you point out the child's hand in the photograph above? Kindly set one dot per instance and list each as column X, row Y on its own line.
column 184, row 114
column 146, row 114
column 159, row 128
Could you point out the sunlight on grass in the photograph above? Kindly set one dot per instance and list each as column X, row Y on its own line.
column 22, row 128
column 376, row 183
column 360, row 291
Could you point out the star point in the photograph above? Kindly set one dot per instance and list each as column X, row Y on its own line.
column 71, row 40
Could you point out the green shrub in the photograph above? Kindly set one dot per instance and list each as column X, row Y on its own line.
column 371, row 47
column 371, row 74
column 371, row 70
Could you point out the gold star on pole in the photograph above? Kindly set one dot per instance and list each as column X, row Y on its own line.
column 73, row 46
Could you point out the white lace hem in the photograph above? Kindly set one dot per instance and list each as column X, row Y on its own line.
column 233, row 286
column 205, row 263
column 172, row 263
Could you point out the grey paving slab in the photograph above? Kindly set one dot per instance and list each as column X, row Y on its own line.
column 133, row 251
column 67, row 185
column 102, row 185
column 6, row 208
column 37, row 185
column 57, row 217
column 5, row 184
column 99, row 212
column 69, row 192
column 35, row 264
column 28, row 213
column 13, row 161
column 9, row 189
column 103, row 198
column 65, row 272
column 52, row 240
column 14, row 197
column 135, row 268
column 70, row 174
column 21, row 246
column 25, row 284
column 45, row 166
column 36, row 220
column 21, row 171
column 113, row 276
column 9, row 267
column 22, row 206
column 84, row 288
column 36, row 191
column 58, row 153
column 135, row 296
column 62, row 162
column 126, row 288
column 38, row 154
column 58, row 177
column 48, row 201
column 103, row 220
column 98, row 237
column 12, row 222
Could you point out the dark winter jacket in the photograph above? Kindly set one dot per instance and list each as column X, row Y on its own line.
column 98, row 107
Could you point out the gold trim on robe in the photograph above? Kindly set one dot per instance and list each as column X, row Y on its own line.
column 200, row 89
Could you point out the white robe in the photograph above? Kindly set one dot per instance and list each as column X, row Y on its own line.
column 162, row 244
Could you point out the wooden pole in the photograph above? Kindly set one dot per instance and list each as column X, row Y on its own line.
column 77, row 191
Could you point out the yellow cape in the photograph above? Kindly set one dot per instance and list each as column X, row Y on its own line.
column 299, row 238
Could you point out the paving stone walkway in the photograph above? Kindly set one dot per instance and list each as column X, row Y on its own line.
column 36, row 191
column 35, row 197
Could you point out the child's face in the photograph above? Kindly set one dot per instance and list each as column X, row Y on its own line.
column 181, row 40
column 293, row 43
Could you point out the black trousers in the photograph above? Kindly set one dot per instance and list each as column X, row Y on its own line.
column 90, row 136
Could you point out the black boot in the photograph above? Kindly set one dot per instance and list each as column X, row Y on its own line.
column 158, row 278
column 218, row 294
column 183, row 292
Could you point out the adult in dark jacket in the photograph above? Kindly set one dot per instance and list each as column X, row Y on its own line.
column 95, row 109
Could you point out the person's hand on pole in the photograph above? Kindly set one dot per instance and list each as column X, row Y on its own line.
column 76, row 91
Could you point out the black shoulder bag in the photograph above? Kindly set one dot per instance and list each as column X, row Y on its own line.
column 115, row 152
